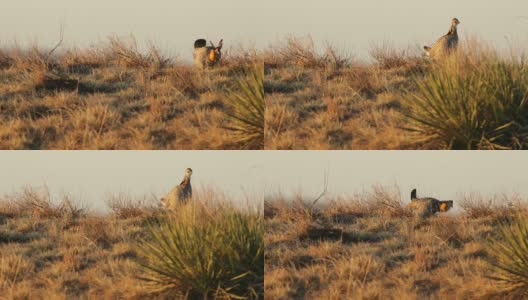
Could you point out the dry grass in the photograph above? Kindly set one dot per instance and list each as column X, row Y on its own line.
column 124, row 207
column 476, row 205
column 378, row 253
column 328, row 101
column 115, row 96
column 92, row 256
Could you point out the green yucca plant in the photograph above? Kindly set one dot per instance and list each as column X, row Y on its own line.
column 246, row 108
column 510, row 251
column 471, row 106
column 217, row 257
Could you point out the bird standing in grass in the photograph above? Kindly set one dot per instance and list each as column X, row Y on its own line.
column 426, row 207
column 207, row 56
column 181, row 193
column 446, row 44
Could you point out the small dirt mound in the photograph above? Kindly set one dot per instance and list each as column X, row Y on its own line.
column 303, row 261
column 59, row 84
column 316, row 233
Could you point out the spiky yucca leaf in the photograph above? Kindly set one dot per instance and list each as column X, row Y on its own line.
column 247, row 106
column 466, row 106
column 218, row 256
column 510, row 251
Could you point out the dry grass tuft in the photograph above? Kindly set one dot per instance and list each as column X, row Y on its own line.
column 388, row 57
column 301, row 52
column 124, row 207
column 37, row 202
column 126, row 54
column 477, row 206
column 96, row 229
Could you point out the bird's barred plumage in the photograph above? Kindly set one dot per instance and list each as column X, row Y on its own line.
column 446, row 44
column 427, row 207
column 180, row 194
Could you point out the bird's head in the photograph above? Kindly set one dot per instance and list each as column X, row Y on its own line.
column 445, row 205
column 455, row 22
column 188, row 172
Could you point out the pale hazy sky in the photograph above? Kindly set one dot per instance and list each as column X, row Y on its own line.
column 91, row 175
column 351, row 25
column 442, row 174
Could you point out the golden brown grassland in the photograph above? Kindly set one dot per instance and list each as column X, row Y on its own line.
column 117, row 97
column 52, row 250
column 369, row 248
column 401, row 100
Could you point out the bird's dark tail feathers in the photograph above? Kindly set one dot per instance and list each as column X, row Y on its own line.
column 200, row 43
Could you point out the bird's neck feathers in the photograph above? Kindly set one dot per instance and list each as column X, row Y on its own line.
column 453, row 30
column 186, row 180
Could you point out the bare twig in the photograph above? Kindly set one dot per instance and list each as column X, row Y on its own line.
column 323, row 193
column 59, row 43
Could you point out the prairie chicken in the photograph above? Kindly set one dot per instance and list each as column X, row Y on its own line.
column 207, row 56
column 446, row 44
column 180, row 194
column 426, row 207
